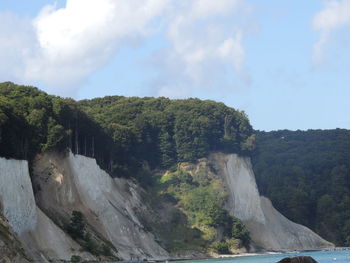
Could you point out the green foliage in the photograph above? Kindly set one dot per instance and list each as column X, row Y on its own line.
column 77, row 229
column 227, row 246
column 196, row 190
column 32, row 121
column 121, row 133
column 306, row 174
column 76, row 259
column 55, row 136
column 166, row 131
column 76, row 226
column 220, row 247
column 205, row 206
column 240, row 231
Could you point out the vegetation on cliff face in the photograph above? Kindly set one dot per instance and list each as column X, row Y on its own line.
column 197, row 192
column 77, row 229
column 131, row 137
column 306, row 174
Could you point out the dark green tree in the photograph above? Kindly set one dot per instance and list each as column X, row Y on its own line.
column 240, row 231
column 76, row 226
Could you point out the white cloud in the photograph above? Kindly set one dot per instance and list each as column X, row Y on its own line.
column 335, row 15
column 61, row 47
column 78, row 39
column 17, row 44
column 206, row 47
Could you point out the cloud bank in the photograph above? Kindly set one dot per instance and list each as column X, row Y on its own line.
column 334, row 16
column 206, row 47
column 62, row 47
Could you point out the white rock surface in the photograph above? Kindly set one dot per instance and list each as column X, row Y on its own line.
column 16, row 195
column 241, row 183
column 280, row 233
column 103, row 195
column 268, row 228
column 41, row 238
column 76, row 182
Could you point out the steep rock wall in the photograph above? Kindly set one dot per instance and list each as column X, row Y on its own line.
column 75, row 182
column 16, row 195
column 40, row 237
column 268, row 228
column 11, row 250
column 70, row 182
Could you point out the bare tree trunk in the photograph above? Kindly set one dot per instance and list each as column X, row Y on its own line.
column 85, row 146
column 93, row 146
column 228, row 120
column 76, row 138
column 25, row 148
column 69, row 137
column 110, row 161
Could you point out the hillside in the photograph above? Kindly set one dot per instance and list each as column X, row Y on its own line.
column 135, row 138
column 307, row 176
column 134, row 178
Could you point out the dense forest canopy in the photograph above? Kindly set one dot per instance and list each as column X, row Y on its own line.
column 169, row 131
column 306, row 174
column 121, row 133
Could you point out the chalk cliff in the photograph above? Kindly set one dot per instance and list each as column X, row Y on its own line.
column 40, row 237
column 268, row 228
column 76, row 182
column 65, row 183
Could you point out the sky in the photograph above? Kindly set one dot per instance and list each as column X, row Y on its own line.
column 286, row 64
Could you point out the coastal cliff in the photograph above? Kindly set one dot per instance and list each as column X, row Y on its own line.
column 131, row 178
column 66, row 182
column 268, row 228
column 76, row 183
column 39, row 236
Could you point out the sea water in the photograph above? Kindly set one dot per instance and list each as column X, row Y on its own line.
column 338, row 256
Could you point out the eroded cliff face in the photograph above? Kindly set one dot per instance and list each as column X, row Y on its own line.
column 268, row 228
column 75, row 182
column 113, row 208
column 11, row 250
column 40, row 237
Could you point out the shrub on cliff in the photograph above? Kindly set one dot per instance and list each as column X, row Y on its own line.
column 76, row 226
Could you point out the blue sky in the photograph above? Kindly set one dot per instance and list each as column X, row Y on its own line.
column 285, row 63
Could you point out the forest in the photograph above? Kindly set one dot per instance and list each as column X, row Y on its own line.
column 306, row 174
column 121, row 133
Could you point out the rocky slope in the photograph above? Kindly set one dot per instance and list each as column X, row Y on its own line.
column 40, row 237
column 76, row 183
column 11, row 250
column 268, row 228
column 64, row 183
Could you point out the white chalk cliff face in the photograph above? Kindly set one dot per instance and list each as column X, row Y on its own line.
column 41, row 238
column 268, row 228
column 67, row 182
column 76, row 182
column 17, row 196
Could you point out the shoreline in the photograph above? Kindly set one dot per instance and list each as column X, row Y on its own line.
column 262, row 253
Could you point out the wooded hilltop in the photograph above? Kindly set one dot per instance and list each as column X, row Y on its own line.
column 306, row 174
